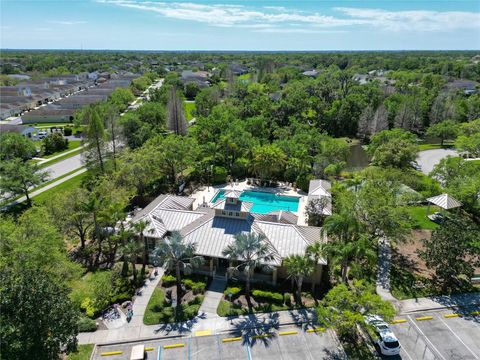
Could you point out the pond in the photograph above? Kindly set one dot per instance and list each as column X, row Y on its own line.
column 358, row 158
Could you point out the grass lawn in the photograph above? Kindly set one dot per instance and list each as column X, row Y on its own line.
column 226, row 308
column 51, row 124
column 244, row 76
column 189, row 107
column 446, row 145
column 83, row 352
column 60, row 158
column 65, row 186
column 419, row 217
column 159, row 312
column 72, row 144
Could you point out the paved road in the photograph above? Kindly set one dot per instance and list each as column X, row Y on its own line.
column 65, row 166
column 427, row 159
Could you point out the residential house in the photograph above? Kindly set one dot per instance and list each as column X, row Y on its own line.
column 27, row 131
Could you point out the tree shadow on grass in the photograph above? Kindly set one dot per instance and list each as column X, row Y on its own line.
column 255, row 329
column 181, row 327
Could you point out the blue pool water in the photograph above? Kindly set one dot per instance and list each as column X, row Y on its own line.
column 264, row 202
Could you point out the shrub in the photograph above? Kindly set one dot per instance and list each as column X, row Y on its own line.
column 67, row 131
column 268, row 296
column 88, row 306
column 168, row 280
column 190, row 312
column 197, row 300
column 85, row 324
column 234, row 291
column 198, row 287
column 53, row 143
column 287, row 299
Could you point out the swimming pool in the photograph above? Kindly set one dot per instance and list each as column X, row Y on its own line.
column 264, row 202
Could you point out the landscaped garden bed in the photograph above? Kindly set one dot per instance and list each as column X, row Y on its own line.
column 160, row 310
column 263, row 298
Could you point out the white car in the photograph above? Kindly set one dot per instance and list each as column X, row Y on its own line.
column 42, row 134
column 386, row 340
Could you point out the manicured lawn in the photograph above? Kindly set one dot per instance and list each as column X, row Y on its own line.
column 72, row 144
column 244, row 76
column 419, row 217
column 83, row 352
column 60, row 158
column 446, row 145
column 65, row 186
column 159, row 312
column 189, row 107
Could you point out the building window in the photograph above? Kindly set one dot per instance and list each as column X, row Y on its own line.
column 230, row 213
column 237, row 214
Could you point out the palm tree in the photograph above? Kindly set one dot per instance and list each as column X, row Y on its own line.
column 298, row 268
column 131, row 251
column 175, row 254
column 251, row 250
column 139, row 227
column 344, row 229
column 316, row 251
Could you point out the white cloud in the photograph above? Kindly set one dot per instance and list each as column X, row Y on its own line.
column 282, row 19
column 66, row 22
column 415, row 20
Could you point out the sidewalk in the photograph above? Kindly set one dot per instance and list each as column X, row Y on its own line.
column 208, row 309
column 383, row 276
column 438, row 302
column 60, row 155
column 304, row 318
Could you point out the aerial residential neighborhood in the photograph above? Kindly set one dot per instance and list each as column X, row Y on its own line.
column 239, row 180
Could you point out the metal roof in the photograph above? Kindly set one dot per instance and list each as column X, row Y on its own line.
column 234, row 194
column 222, row 204
column 445, row 201
column 319, row 187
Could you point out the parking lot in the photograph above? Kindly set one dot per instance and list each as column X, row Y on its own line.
column 442, row 335
column 284, row 343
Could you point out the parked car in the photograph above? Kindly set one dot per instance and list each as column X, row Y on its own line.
column 41, row 134
column 385, row 340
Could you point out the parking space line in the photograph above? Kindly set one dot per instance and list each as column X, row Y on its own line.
column 282, row 333
column 110, row 353
column 426, row 338
column 458, row 337
column 448, row 316
column 232, row 339
column 173, row 346
column 159, row 354
column 249, row 354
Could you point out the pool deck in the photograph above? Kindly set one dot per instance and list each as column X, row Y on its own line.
column 207, row 193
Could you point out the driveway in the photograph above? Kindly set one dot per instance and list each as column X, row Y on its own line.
column 427, row 159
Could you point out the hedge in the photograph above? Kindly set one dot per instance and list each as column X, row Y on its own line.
column 168, row 280
column 268, row 296
column 86, row 325
column 234, row 291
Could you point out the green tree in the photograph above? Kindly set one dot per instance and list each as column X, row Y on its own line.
column 299, row 267
column 37, row 319
column 386, row 136
column 139, row 228
column 268, row 161
column 18, row 177
column 343, row 308
column 121, row 98
column 206, row 100
column 251, row 251
column 16, row 146
column 399, row 153
column 131, row 251
column 316, row 251
column 53, row 143
column 175, row 254
column 444, row 130
column 453, row 252
column 33, row 242
column 96, row 137
column 469, row 144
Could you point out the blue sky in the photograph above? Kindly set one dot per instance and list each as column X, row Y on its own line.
column 240, row 25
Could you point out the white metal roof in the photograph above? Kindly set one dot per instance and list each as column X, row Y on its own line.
column 445, row 201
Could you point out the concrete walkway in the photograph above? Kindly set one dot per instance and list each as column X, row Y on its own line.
column 141, row 301
column 208, row 309
column 383, row 276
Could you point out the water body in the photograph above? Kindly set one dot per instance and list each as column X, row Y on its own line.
column 358, row 158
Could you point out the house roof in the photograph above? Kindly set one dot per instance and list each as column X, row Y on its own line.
column 445, row 201
column 222, row 204
column 14, row 128
column 319, row 187
column 212, row 234
column 234, row 194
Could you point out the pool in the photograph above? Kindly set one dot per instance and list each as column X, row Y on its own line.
column 264, row 202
